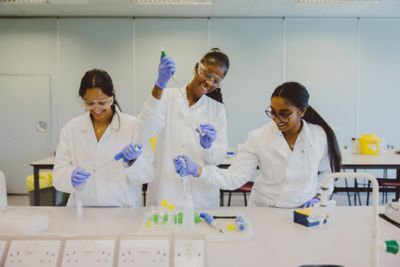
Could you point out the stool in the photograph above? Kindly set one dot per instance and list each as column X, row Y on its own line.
column 246, row 188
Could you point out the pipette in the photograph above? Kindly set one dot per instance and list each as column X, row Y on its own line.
column 116, row 158
column 120, row 155
column 240, row 223
column 210, row 221
column 164, row 54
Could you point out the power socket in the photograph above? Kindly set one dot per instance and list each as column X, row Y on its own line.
column 189, row 253
column 99, row 253
column 27, row 253
column 152, row 253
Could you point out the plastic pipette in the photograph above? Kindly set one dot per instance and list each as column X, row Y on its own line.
column 188, row 209
column 210, row 221
column 120, row 155
column 240, row 223
column 164, row 54
column 115, row 159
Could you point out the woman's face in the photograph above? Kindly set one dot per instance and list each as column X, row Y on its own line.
column 286, row 116
column 208, row 77
column 98, row 104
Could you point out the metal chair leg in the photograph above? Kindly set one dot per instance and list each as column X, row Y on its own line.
column 348, row 193
column 229, row 199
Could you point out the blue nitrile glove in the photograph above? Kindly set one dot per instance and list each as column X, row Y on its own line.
column 79, row 177
column 166, row 70
column 207, row 133
column 184, row 166
column 132, row 152
column 311, row 202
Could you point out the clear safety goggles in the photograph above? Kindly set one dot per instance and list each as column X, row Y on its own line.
column 285, row 116
column 103, row 103
column 209, row 76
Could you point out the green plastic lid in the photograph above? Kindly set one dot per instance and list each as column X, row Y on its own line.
column 180, row 218
column 392, row 246
column 196, row 218
column 163, row 53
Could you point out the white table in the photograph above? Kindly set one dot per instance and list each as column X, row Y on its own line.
column 277, row 242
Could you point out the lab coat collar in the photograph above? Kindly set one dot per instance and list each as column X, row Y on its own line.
column 304, row 140
column 184, row 95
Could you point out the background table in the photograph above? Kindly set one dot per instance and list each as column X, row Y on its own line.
column 47, row 163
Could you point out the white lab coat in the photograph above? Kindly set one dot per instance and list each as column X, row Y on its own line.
column 111, row 183
column 175, row 123
column 288, row 178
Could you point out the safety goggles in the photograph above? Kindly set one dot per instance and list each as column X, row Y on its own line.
column 284, row 116
column 209, row 76
column 103, row 103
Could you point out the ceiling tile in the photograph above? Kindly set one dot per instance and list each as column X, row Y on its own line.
column 10, row 10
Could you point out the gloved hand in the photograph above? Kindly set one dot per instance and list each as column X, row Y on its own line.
column 184, row 166
column 166, row 69
column 311, row 202
column 79, row 177
column 132, row 152
column 207, row 133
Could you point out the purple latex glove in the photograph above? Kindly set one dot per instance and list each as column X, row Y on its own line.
column 79, row 177
column 132, row 152
column 166, row 70
column 184, row 166
column 311, row 202
column 207, row 133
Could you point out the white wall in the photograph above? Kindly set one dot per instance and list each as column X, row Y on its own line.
column 349, row 66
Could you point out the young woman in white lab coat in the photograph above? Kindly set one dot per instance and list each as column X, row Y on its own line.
column 84, row 162
column 190, row 120
column 294, row 152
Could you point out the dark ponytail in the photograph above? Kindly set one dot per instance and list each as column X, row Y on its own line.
column 212, row 57
column 216, row 95
column 297, row 94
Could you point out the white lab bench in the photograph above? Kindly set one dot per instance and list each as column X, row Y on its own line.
column 277, row 241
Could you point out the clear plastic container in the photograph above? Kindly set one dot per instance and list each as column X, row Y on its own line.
column 3, row 192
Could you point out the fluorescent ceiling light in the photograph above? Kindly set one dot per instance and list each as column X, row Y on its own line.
column 339, row 1
column 173, row 2
column 23, row 1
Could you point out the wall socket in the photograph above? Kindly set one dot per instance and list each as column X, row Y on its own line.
column 99, row 253
column 27, row 253
column 189, row 253
column 149, row 253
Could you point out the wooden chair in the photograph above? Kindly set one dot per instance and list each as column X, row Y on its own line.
column 244, row 189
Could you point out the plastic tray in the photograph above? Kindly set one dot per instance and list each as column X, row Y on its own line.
column 202, row 228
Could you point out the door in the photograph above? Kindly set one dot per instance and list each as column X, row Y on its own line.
column 25, row 126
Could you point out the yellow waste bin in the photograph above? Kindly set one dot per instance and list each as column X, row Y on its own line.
column 47, row 191
column 369, row 144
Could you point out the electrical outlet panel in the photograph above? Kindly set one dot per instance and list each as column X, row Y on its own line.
column 189, row 253
column 29, row 253
column 99, row 253
column 151, row 253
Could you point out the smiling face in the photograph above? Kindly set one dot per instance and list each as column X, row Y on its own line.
column 208, row 77
column 98, row 104
column 286, row 116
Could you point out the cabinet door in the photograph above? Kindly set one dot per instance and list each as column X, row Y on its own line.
column 25, row 126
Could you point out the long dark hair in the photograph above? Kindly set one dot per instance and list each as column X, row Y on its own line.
column 297, row 95
column 97, row 78
column 216, row 56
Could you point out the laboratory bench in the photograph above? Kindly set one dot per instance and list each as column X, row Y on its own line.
column 277, row 240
